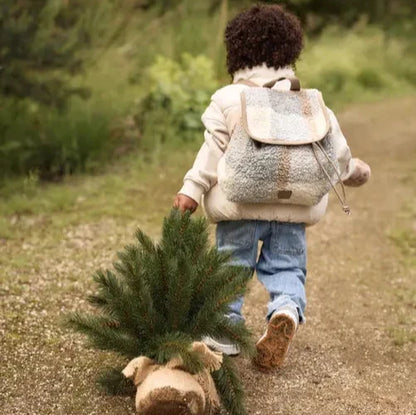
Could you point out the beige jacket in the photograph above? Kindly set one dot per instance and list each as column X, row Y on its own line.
column 219, row 119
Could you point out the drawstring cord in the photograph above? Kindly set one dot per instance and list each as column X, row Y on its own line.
column 295, row 85
column 343, row 198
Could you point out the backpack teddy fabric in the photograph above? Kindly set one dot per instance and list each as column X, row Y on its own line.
column 220, row 119
column 281, row 150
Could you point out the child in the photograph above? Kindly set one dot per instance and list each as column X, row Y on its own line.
column 263, row 44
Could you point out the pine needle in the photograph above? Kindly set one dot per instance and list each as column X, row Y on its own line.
column 161, row 297
column 229, row 387
column 113, row 382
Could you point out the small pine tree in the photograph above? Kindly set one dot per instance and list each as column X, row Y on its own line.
column 163, row 296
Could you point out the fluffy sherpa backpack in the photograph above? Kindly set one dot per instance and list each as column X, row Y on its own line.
column 282, row 149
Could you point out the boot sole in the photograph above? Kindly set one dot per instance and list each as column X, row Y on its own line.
column 273, row 346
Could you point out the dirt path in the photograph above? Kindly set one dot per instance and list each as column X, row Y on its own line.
column 343, row 360
column 361, row 299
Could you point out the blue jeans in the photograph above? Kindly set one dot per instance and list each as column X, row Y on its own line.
column 281, row 266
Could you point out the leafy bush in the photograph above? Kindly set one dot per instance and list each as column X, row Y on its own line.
column 39, row 37
column 370, row 78
column 50, row 143
column 360, row 64
column 178, row 94
column 317, row 14
column 352, row 65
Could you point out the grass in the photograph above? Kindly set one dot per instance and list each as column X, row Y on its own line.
column 86, row 198
column 363, row 63
column 53, row 237
column 404, row 233
column 405, row 305
column 404, row 237
column 401, row 336
column 406, row 242
column 59, row 233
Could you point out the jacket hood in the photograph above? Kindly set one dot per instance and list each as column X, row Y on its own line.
column 262, row 74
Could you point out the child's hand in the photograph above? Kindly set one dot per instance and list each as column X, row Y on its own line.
column 185, row 203
column 361, row 174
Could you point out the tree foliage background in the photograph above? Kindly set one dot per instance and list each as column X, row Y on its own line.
column 38, row 37
column 81, row 80
column 318, row 13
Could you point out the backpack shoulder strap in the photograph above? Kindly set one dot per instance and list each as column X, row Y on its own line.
column 294, row 83
column 247, row 82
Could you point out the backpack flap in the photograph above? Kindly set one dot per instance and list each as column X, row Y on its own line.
column 284, row 117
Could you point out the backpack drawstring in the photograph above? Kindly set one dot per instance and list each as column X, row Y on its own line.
column 295, row 86
column 343, row 198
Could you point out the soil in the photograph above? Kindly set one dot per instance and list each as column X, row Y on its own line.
column 356, row 353
column 342, row 360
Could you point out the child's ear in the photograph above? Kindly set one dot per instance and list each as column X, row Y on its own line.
column 138, row 369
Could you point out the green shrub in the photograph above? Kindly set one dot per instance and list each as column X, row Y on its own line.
column 48, row 142
column 359, row 64
column 409, row 74
column 370, row 78
column 332, row 80
column 178, row 95
column 44, row 42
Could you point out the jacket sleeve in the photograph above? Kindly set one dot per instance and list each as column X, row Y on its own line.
column 347, row 164
column 203, row 174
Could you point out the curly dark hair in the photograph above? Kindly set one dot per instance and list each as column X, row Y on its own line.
column 263, row 34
